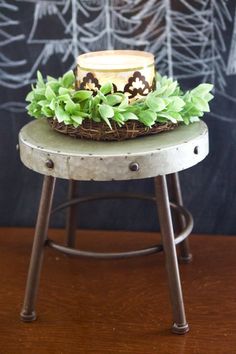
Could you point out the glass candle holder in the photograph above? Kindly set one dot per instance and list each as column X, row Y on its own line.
column 130, row 71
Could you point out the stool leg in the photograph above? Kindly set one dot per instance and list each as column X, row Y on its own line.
column 71, row 220
column 185, row 255
column 180, row 325
column 28, row 310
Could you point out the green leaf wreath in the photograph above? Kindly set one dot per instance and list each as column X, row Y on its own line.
column 59, row 99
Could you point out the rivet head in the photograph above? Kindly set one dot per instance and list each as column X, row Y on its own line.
column 49, row 163
column 134, row 166
column 196, row 150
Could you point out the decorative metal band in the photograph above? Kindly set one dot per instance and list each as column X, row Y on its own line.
column 90, row 83
column 133, row 91
column 136, row 86
column 116, row 70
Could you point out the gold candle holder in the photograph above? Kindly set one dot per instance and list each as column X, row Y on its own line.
column 130, row 71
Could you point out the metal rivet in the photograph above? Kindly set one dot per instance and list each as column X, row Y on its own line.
column 49, row 163
column 196, row 150
column 134, row 166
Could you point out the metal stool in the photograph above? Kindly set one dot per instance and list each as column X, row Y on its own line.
column 58, row 156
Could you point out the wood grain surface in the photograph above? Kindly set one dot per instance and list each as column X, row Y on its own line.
column 110, row 307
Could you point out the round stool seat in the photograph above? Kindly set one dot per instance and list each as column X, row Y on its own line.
column 50, row 153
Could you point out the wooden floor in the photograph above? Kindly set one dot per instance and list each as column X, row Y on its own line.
column 87, row 306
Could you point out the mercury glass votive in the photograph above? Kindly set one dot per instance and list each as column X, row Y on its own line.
column 130, row 71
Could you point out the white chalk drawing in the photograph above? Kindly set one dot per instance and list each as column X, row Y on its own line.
column 7, row 38
column 231, row 68
column 187, row 38
column 65, row 41
column 213, row 51
column 47, row 47
column 111, row 27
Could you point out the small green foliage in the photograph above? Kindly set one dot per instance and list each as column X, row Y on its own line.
column 147, row 117
column 68, row 79
column 114, row 99
column 82, row 95
column 106, row 88
column 58, row 98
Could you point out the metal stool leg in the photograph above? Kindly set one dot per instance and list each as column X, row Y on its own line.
column 71, row 221
column 180, row 325
column 28, row 310
column 185, row 254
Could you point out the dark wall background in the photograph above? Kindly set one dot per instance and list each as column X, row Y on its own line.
column 48, row 35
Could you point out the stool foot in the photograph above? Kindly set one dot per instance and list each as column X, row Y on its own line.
column 167, row 233
column 28, row 317
column 186, row 259
column 180, row 328
column 41, row 230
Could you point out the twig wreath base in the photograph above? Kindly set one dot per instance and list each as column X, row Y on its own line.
column 100, row 131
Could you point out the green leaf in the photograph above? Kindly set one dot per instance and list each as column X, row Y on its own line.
column 70, row 106
column 161, row 119
column 42, row 103
column 201, row 104
column 50, row 78
column 156, row 104
column 186, row 120
column 34, row 110
column 68, row 79
column 63, row 91
column 176, row 104
column 108, row 122
column 106, row 88
column 101, row 96
column 160, row 89
column 97, row 119
column 170, row 116
column 63, row 98
column 194, row 119
column 106, row 111
column 202, row 89
column 147, row 117
column 129, row 116
column 113, row 99
column 75, row 109
column 52, row 104
column 40, row 81
column 30, row 96
column 49, row 93
column 47, row 111
column 39, row 94
column 82, row 95
column 61, row 115
column 124, row 103
column 77, row 119
column 171, row 88
column 54, row 86
column 119, row 118
column 208, row 97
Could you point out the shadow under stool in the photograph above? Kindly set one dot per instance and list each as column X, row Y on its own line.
column 58, row 156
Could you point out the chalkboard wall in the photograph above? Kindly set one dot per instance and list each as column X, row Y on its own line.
column 48, row 35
